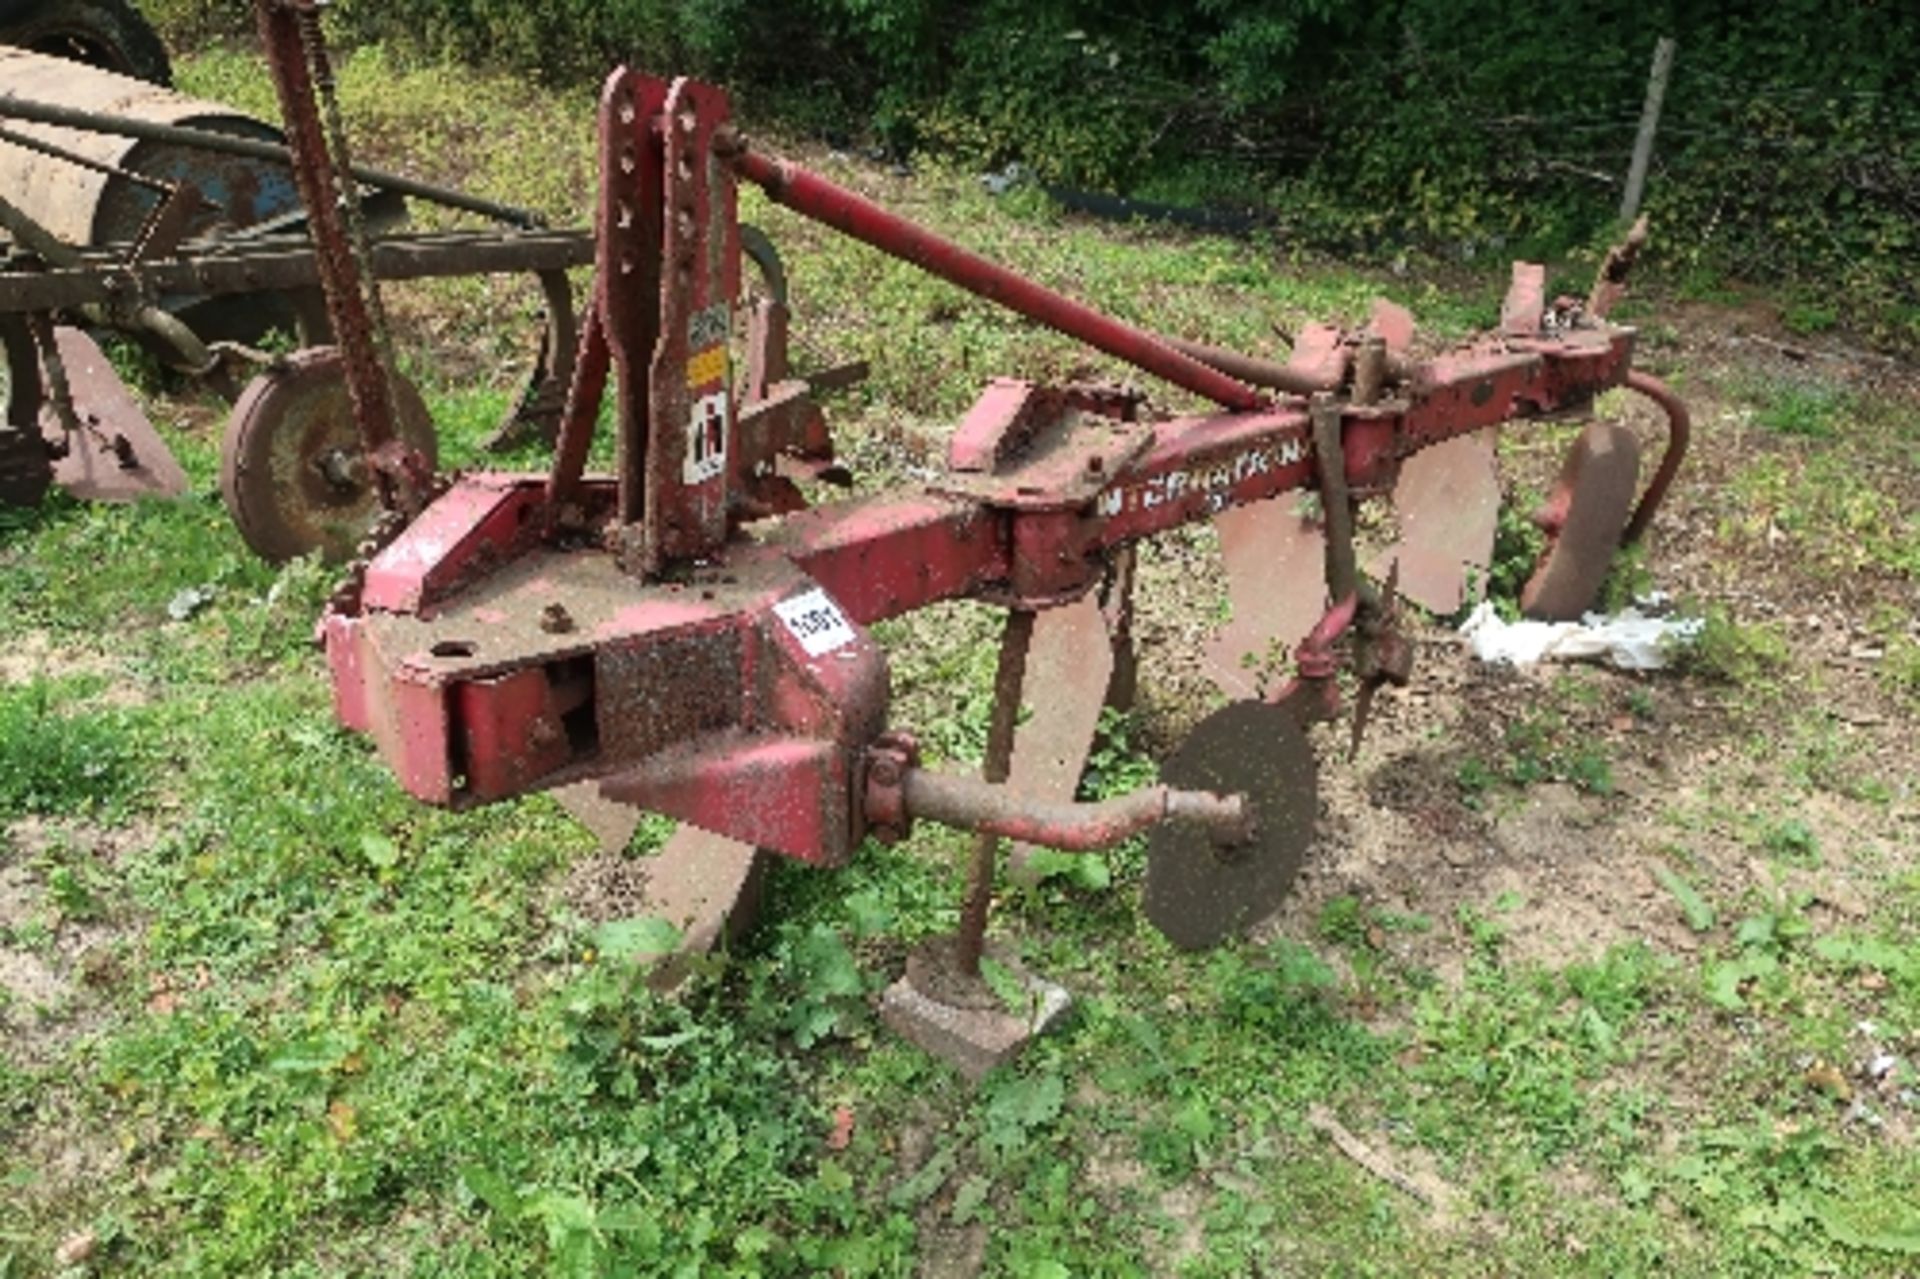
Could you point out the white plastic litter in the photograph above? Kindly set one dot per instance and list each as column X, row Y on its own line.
column 1629, row 639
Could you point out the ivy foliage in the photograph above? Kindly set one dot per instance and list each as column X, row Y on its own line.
column 1788, row 150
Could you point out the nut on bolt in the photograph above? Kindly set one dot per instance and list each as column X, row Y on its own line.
column 555, row 620
column 884, row 799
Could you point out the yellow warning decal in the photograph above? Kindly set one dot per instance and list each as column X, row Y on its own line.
column 705, row 368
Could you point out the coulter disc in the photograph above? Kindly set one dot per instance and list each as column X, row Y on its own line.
column 1584, row 518
column 292, row 470
column 1199, row 895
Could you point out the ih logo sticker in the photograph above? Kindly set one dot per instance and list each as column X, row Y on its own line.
column 706, row 453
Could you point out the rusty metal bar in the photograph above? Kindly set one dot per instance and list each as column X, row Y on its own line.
column 252, row 149
column 1008, row 678
column 1369, row 370
column 212, row 268
column 22, row 227
column 1330, row 458
column 1679, row 432
column 824, row 201
column 994, row 811
column 42, row 146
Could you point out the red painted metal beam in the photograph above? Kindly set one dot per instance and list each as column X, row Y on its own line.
column 1679, row 431
column 809, row 193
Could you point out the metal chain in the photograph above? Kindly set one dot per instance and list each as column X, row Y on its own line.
column 386, row 525
column 342, row 161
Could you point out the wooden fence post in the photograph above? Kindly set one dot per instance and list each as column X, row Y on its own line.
column 1649, row 121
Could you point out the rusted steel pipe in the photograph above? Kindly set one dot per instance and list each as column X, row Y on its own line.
column 993, row 811
column 251, row 149
column 1679, row 431
column 810, row 194
column 1259, row 372
column 28, row 142
column 285, row 263
column 1314, row 688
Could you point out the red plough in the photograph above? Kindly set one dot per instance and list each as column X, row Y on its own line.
column 688, row 636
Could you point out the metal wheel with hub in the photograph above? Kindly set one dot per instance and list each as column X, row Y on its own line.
column 1584, row 517
column 1199, row 894
column 292, row 470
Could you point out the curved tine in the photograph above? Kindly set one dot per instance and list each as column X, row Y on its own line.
column 756, row 244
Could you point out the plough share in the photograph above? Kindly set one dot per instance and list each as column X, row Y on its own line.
column 690, row 636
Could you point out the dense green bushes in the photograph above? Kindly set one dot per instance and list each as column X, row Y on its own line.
column 1789, row 151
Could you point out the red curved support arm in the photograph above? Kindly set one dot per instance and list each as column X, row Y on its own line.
column 1679, row 430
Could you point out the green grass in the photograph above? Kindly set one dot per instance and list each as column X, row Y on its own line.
column 332, row 1032
column 1735, row 652
column 1835, row 510
column 53, row 760
column 1813, row 410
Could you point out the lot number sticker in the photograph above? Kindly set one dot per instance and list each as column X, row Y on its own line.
column 816, row 621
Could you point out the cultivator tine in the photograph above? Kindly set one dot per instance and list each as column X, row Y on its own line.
column 1273, row 558
column 1448, row 503
column 1070, row 666
column 706, row 885
column 113, row 454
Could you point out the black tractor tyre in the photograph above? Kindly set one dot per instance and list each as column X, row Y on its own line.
column 102, row 33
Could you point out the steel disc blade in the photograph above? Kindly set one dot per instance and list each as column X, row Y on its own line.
column 1069, row 666
column 1526, row 300
column 1276, row 584
column 1447, row 501
column 292, row 468
column 1585, row 516
column 1199, row 895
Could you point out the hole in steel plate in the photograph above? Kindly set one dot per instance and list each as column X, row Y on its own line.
column 454, row 648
